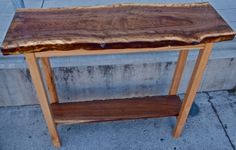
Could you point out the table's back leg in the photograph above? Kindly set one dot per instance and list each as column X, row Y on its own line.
column 192, row 88
column 42, row 97
column 183, row 54
column 48, row 74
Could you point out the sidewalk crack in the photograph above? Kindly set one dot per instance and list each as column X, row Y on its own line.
column 42, row 4
column 218, row 117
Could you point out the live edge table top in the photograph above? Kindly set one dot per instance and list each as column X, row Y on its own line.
column 114, row 27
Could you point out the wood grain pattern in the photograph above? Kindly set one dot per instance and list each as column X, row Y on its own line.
column 116, row 109
column 114, row 27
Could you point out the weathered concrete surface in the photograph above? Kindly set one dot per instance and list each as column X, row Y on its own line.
column 24, row 128
column 224, row 104
column 76, row 80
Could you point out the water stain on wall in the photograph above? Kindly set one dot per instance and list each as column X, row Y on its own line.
column 109, row 81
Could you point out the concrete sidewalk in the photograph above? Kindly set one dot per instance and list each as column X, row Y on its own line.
column 23, row 128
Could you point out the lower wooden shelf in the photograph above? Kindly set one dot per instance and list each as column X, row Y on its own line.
column 116, row 109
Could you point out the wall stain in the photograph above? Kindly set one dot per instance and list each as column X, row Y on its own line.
column 67, row 73
column 231, row 61
column 91, row 71
column 79, row 72
column 142, row 86
column 128, row 68
column 128, row 72
column 27, row 75
column 158, row 67
column 107, row 72
column 145, row 65
column 167, row 65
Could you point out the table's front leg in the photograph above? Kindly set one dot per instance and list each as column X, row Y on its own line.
column 192, row 88
column 42, row 97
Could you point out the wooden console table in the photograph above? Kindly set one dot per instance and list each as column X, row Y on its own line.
column 125, row 28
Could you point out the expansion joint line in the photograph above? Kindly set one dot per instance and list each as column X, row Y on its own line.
column 217, row 115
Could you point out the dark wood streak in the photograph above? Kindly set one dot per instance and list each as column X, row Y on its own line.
column 113, row 27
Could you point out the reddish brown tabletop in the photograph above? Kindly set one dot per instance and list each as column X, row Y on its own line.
column 116, row 26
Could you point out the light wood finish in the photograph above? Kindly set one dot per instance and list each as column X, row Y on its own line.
column 42, row 97
column 192, row 88
column 119, row 26
column 183, row 55
column 116, row 109
column 48, row 74
column 116, row 51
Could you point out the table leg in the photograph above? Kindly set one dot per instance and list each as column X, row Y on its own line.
column 48, row 74
column 192, row 88
column 42, row 97
column 183, row 54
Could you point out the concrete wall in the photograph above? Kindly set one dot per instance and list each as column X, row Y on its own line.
column 116, row 76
